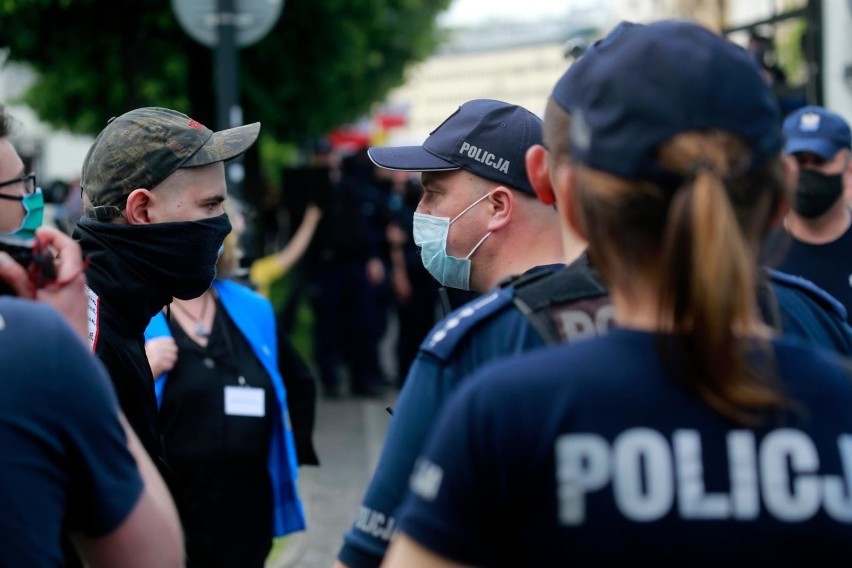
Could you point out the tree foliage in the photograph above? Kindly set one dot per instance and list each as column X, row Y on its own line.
column 323, row 64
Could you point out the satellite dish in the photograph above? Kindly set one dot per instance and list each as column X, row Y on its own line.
column 252, row 19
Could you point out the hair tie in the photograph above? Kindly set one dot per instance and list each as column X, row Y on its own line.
column 702, row 166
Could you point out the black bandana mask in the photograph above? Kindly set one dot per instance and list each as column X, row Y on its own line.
column 179, row 258
column 816, row 193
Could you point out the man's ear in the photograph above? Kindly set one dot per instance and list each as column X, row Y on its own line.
column 536, row 162
column 137, row 211
column 847, row 178
column 502, row 202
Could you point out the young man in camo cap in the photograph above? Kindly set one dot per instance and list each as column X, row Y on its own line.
column 153, row 186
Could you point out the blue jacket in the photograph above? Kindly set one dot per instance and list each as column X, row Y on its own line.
column 253, row 315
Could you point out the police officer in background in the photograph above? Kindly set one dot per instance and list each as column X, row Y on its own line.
column 347, row 284
column 645, row 443
column 477, row 223
column 816, row 240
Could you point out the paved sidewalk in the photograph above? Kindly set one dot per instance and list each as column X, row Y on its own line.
column 348, row 436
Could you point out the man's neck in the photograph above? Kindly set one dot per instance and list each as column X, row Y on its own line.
column 514, row 262
column 824, row 229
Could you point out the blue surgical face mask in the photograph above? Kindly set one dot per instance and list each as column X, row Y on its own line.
column 33, row 204
column 430, row 234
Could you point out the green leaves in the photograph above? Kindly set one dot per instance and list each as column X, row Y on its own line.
column 324, row 63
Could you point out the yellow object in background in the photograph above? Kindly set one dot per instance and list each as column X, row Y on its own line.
column 264, row 271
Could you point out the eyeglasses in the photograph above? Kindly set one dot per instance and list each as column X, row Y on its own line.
column 29, row 182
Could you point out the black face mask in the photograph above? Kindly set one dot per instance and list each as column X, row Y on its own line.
column 179, row 258
column 816, row 193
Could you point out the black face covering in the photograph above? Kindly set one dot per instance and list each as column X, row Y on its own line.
column 179, row 258
column 816, row 193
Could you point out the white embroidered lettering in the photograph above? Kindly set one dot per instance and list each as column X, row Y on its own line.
column 651, row 478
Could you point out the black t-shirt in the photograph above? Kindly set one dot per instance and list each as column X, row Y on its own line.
column 220, row 459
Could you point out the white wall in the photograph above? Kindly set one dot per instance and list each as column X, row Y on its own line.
column 837, row 55
column 59, row 155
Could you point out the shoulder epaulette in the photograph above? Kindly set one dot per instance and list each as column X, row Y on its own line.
column 444, row 337
column 814, row 292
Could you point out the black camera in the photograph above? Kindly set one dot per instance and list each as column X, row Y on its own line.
column 37, row 259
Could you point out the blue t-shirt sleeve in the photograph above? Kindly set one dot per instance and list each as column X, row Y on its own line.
column 104, row 480
column 64, row 464
column 453, row 491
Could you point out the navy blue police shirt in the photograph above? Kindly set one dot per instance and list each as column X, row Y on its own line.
column 483, row 330
column 490, row 328
column 592, row 454
column 806, row 311
column 64, row 464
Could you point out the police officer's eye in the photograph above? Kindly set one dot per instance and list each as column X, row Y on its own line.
column 808, row 159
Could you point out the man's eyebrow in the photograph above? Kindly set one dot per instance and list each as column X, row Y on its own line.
column 214, row 199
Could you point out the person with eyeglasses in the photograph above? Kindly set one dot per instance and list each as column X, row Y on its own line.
column 816, row 239
column 21, row 187
column 71, row 470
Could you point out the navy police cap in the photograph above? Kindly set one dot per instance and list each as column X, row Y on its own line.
column 654, row 81
column 817, row 130
column 485, row 137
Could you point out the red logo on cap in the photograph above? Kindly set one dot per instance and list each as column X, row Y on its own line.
column 195, row 124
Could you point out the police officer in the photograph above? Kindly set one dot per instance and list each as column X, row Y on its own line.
column 689, row 434
column 477, row 223
column 567, row 304
column 552, row 304
column 816, row 240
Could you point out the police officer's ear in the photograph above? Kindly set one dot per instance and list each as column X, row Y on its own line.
column 137, row 211
column 501, row 203
column 536, row 162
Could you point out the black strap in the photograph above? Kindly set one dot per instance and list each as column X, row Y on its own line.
column 536, row 297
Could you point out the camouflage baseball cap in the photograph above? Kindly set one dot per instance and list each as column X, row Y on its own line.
column 141, row 148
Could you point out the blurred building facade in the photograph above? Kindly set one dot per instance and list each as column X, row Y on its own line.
column 810, row 55
column 516, row 62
